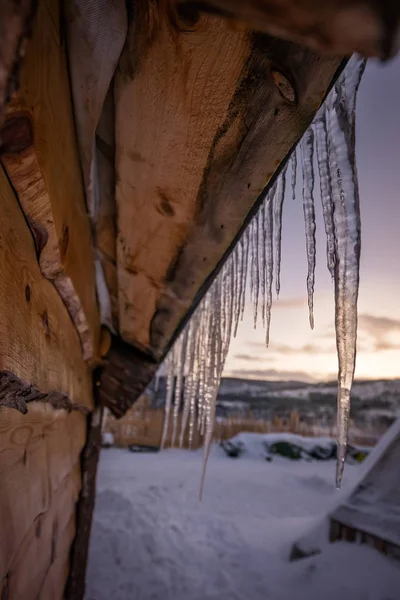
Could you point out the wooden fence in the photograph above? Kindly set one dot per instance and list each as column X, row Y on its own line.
column 143, row 425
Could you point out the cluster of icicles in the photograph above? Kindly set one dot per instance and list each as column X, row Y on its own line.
column 196, row 361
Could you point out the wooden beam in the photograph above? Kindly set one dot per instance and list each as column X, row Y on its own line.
column 39, row 152
column 124, row 376
column 204, row 117
column 15, row 23
column 369, row 27
column 38, row 341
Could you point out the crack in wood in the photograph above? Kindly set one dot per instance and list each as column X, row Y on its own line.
column 16, row 394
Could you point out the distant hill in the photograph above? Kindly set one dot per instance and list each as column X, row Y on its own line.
column 373, row 402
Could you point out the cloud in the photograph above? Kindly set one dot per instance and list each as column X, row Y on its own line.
column 290, row 303
column 377, row 331
column 252, row 357
column 378, row 325
column 382, row 346
column 274, row 374
column 279, row 349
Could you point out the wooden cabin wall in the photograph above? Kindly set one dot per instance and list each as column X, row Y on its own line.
column 42, row 374
column 40, row 155
column 49, row 324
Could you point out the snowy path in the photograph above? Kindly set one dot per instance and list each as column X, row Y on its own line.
column 153, row 540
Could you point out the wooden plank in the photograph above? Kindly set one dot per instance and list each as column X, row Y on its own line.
column 47, row 541
column 15, row 21
column 46, row 173
column 38, row 341
column 75, row 589
column 32, row 473
column 201, row 127
column 57, row 575
column 370, row 27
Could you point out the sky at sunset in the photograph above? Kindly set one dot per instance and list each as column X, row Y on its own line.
column 295, row 351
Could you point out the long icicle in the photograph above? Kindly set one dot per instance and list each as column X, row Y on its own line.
column 269, row 258
column 341, row 128
column 181, row 353
column 321, row 144
column 294, row 172
column 256, row 264
column 170, row 392
column 307, row 154
column 278, row 208
column 261, row 219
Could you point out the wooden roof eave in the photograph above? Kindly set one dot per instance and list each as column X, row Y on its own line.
column 202, row 130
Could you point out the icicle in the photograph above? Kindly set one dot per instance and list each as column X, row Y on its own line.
column 255, row 265
column 307, row 152
column 341, row 148
column 262, row 266
column 239, row 290
column 269, row 259
column 190, row 358
column 197, row 360
column 294, row 172
column 278, row 206
column 196, row 379
column 236, row 287
column 157, row 380
column 251, row 256
column 321, row 143
column 170, row 391
column 180, row 362
column 246, row 246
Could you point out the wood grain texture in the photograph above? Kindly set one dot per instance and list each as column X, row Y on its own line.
column 38, row 341
column 40, row 482
column 370, row 27
column 47, row 175
column 201, row 128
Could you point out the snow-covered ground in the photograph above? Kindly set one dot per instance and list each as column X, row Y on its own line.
column 153, row 540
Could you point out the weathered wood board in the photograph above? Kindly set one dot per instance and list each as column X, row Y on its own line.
column 125, row 374
column 201, row 127
column 369, row 27
column 40, row 482
column 38, row 340
column 41, row 159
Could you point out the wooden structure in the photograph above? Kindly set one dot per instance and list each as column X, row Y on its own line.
column 201, row 117
column 369, row 513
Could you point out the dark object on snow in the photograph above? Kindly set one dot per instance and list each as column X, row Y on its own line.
column 323, row 452
column 355, row 455
column 138, row 448
column 287, row 449
column 233, row 450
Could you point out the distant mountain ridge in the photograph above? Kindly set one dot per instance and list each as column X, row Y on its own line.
column 376, row 400
column 375, row 403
